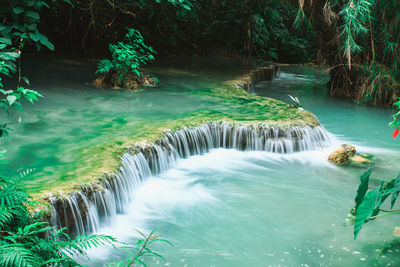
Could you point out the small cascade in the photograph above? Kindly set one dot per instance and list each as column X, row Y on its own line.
column 257, row 75
column 96, row 204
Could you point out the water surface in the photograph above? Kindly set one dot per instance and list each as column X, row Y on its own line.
column 231, row 208
column 225, row 208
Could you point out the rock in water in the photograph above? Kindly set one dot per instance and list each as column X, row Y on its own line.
column 126, row 81
column 350, row 150
column 348, row 155
column 339, row 156
column 342, row 155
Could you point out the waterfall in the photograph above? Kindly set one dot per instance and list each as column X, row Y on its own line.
column 97, row 203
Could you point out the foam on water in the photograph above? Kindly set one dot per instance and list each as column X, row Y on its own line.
column 207, row 191
column 83, row 212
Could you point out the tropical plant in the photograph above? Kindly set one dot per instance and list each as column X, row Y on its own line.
column 360, row 42
column 262, row 29
column 368, row 202
column 141, row 249
column 127, row 57
column 274, row 35
column 25, row 240
column 20, row 20
column 296, row 101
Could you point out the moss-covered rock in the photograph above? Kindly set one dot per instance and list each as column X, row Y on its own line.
column 248, row 109
column 126, row 81
column 347, row 155
column 362, row 160
column 339, row 156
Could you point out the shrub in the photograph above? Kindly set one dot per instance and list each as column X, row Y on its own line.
column 127, row 57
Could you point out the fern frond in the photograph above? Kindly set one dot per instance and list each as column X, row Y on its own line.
column 84, row 242
column 7, row 214
column 11, row 196
column 16, row 255
column 104, row 66
column 34, row 229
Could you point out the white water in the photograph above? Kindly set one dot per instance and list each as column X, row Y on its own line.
column 84, row 211
column 233, row 208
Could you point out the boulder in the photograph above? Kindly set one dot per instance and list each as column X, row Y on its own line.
column 339, row 156
column 347, row 155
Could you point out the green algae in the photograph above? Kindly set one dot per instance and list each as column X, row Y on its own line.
column 103, row 158
column 93, row 147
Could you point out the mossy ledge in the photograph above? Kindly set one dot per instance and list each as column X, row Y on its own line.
column 82, row 206
column 257, row 75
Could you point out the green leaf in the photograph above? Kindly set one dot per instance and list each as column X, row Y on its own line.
column 18, row 10
column 161, row 240
column 18, row 106
column 384, row 191
column 26, row 80
column 363, row 187
column 141, row 262
column 47, row 43
column 34, row 36
column 9, row 55
column 365, row 211
column 396, row 191
column 11, row 99
column 32, row 14
column 5, row 40
column 38, row 37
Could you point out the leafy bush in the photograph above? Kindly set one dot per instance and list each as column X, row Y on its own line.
column 19, row 27
column 11, row 98
column 368, row 203
column 360, row 42
column 128, row 56
column 25, row 240
column 276, row 36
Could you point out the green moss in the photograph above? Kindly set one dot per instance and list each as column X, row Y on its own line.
column 234, row 104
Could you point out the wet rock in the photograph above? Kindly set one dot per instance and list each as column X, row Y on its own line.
column 257, row 75
column 347, row 154
column 350, row 150
column 339, row 156
column 126, row 81
column 143, row 144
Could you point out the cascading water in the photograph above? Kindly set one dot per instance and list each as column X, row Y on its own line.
column 96, row 204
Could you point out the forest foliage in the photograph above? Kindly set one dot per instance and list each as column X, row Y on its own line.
column 357, row 39
column 127, row 56
column 249, row 28
column 360, row 45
